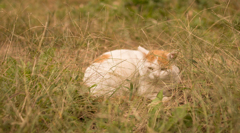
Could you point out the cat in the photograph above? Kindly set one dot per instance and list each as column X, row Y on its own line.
column 150, row 72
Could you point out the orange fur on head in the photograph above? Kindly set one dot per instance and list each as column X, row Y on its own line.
column 102, row 58
column 162, row 57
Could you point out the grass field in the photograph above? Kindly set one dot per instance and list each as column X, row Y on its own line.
column 45, row 46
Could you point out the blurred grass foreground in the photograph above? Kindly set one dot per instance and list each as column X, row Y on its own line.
column 45, row 46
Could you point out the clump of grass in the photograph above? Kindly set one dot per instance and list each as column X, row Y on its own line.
column 46, row 46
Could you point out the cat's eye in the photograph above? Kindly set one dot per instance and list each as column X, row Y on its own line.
column 150, row 68
column 163, row 69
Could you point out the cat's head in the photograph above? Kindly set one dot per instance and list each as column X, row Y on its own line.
column 158, row 63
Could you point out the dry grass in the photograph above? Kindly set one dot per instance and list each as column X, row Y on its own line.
column 45, row 46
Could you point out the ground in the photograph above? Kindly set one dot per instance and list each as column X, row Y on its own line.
column 45, row 46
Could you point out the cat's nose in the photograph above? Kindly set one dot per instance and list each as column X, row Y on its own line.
column 156, row 74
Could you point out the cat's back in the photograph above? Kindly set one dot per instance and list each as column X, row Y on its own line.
column 119, row 56
column 122, row 62
column 114, row 65
column 125, row 54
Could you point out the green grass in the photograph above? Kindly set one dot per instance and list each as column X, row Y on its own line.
column 47, row 45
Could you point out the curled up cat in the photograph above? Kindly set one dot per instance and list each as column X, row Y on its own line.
column 150, row 71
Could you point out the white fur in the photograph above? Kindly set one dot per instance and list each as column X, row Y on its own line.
column 113, row 75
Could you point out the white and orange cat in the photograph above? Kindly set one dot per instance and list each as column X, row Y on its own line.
column 150, row 71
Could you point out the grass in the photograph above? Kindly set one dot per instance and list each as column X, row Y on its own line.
column 47, row 45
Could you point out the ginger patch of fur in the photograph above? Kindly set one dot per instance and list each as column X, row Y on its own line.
column 160, row 55
column 102, row 58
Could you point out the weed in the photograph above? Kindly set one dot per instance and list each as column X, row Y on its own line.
column 47, row 45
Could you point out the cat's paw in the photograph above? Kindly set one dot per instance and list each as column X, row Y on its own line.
column 166, row 99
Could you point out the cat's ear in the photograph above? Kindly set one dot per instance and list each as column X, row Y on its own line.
column 143, row 50
column 172, row 55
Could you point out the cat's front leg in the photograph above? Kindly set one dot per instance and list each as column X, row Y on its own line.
column 143, row 86
column 154, row 95
column 166, row 99
column 149, row 91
